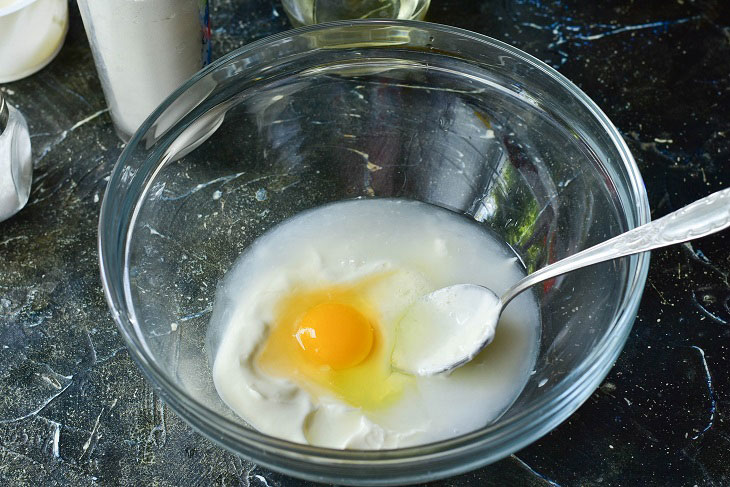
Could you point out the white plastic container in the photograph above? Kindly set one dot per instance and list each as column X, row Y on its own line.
column 144, row 50
column 31, row 34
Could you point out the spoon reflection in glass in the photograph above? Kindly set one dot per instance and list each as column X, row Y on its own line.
column 448, row 327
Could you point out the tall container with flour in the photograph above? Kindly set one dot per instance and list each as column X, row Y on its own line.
column 144, row 50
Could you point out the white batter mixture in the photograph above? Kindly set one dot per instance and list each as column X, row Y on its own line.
column 386, row 253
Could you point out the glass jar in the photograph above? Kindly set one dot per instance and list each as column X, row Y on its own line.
column 306, row 12
column 16, row 165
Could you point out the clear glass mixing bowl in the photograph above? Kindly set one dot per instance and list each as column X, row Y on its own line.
column 371, row 109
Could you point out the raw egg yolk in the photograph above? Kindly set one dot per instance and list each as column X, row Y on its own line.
column 334, row 334
column 330, row 340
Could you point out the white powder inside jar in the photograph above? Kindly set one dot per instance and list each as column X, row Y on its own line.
column 144, row 50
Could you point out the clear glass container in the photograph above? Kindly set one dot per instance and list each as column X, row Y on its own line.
column 306, row 12
column 303, row 118
column 16, row 164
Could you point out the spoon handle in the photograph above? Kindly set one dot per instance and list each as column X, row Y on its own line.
column 703, row 217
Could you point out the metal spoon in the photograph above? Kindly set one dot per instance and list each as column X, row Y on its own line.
column 448, row 327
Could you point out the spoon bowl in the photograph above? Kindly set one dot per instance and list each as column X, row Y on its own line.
column 446, row 328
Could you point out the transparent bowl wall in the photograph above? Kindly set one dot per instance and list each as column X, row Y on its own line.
column 363, row 110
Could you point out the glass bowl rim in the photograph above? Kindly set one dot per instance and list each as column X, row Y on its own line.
column 497, row 440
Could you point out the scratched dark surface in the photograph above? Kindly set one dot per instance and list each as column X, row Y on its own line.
column 75, row 410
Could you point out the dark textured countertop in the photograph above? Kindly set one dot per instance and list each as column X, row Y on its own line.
column 74, row 408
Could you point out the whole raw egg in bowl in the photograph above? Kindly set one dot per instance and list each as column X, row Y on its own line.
column 269, row 226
